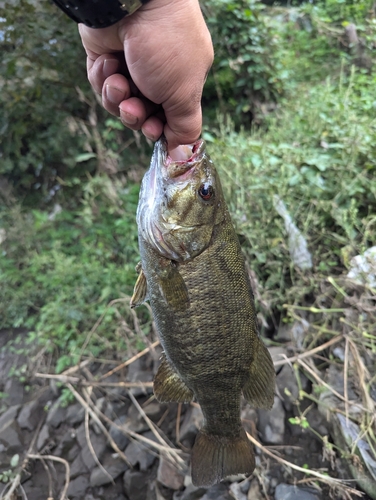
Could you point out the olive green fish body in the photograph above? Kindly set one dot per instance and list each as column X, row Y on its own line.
column 200, row 294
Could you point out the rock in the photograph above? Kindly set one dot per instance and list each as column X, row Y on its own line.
column 271, row 423
column 135, row 421
column 191, row 424
column 9, row 415
column 135, row 484
column 254, row 492
column 191, row 492
column 117, row 435
column 218, row 492
column 249, row 418
column 15, row 390
column 98, row 443
column 236, row 491
column 75, row 414
column 155, row 410
column 56, row 414
column 66, row 443
column 30, row 415
column 77, row 488
column 169, row 475
column 78, row 467
column 288, row 386
column 138, row 372
column 113, row 465
column 11, row 437
column 140, row 453
column 43, row 437
column 291, row 492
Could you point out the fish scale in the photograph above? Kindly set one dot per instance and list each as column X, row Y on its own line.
column 194, row 274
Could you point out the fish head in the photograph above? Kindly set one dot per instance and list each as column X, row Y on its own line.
column 181, row 201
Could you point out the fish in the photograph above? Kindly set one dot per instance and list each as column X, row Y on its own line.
column 194, row 275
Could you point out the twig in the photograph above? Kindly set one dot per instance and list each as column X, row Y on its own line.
column 98, row 421
column 92, row 451
column 131, row 360
column 307, row 354
column 56, row 459
column 76, row 380
column 326, row 479
column 345, row 379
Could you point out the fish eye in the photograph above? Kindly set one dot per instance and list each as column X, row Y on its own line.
column 206, row 191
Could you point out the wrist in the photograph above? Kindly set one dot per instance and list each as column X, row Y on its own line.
column 100, row 14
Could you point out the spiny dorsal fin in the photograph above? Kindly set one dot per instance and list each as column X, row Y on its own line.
column 260, row 384
column 168, row 386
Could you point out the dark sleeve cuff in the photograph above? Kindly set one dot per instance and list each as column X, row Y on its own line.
column 98, row 13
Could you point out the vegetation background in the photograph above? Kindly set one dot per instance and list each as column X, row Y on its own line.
column 289, row 111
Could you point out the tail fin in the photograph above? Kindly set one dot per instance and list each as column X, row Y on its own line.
column 216, row 457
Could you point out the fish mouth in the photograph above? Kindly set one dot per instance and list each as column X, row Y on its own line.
column 179, row 162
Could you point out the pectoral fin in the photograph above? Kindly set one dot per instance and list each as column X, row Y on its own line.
column 140, row 289
column 174, row 289
column 168, row 386
column 259, row 387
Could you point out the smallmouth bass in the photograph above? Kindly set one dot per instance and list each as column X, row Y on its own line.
column 193, row 273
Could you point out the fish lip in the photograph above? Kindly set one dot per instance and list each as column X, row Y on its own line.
column 181, row 169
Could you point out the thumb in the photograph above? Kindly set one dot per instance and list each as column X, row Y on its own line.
column 183, row 123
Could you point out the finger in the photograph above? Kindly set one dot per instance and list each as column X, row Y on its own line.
column 116, row 89
column 153, row 126
column 183, row 128
column 99, row 69
column 134, row 111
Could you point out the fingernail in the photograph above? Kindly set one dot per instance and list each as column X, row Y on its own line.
column 110, row 67
column 114, row 95
column 127, row 118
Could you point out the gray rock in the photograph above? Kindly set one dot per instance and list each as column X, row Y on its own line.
column 75, row 414
column 66, row 443
column 43, row 437
column 30, row 415
column 113, row 465
column 291, row 492
column 98, row 443
column 271, row 423
column 169, row 475
column 218, row 492
column 287, row 386
column 237, row 492
column 15, row 390
column 140, row 453
column 191, row 424
column 117, row 435
column 56, row 414
column 191, row 492
column 254, row 492
column 77, row 488
column 135, row 422
column 155, row 410
column 9, row 415
column 78, row 467
column 249, row 419
column 138, row 372
column 135, row 484
column 11, row 436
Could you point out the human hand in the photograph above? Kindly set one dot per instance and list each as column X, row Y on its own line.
column 150, row 68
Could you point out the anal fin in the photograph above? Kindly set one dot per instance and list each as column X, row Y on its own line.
column 168, row 386
column 260, row 384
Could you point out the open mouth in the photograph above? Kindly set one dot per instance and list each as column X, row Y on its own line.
column 182, row 159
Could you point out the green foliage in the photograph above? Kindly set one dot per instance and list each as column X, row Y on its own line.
column 245, row 68
column 59, row 275
column 318, row 154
